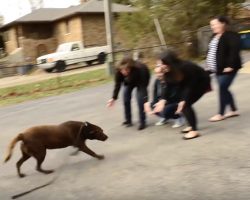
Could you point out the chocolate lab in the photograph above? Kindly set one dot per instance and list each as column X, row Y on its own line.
column 37, row 139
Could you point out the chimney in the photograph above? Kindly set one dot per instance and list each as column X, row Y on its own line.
column 83, row 1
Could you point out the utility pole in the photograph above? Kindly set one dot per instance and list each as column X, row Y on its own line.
column 109, row 35
column 159, row 32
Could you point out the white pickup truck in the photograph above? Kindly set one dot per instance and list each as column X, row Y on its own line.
column 71, row 53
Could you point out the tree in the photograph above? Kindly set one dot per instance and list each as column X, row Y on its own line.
column 179, row 19
column 1, row 20
column 126, row 2
column 36, row 4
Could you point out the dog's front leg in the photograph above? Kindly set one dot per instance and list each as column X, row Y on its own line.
column 88, row 151
column 75, row 152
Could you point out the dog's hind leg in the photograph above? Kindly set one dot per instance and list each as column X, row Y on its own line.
column 40, row 156
column 25, row 156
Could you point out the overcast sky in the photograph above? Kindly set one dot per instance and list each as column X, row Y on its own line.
column 13, row 9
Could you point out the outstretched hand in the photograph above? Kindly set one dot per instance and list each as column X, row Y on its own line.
column 228, row 69
column 159, row 106
column 110, row 103
column 147, row 108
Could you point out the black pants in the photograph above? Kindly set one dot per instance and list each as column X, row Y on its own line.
column 188, row 110
column 225, row 96
column 127, row 95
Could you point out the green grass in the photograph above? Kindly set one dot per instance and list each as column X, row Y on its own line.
column 54, row 86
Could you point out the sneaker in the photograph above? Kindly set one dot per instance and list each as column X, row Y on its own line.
column 179, row 122
column 126, row 123
column 129, row 125
column 161, row 122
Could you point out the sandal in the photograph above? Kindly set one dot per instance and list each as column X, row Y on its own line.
column 217, row 118
column 231, row 114
column 191, row 135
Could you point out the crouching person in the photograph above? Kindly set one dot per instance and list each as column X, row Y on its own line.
column 170, row 92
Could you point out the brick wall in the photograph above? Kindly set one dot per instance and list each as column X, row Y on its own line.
column 87, row 28
column 34, row 48
column 68, row 30
column 94, row 31
column 11, row 43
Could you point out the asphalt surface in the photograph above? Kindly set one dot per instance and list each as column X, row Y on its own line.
column 143, row 165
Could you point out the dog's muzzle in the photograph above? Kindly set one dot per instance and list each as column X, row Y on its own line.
column 104, row 137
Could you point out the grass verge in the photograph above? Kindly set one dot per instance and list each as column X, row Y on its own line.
column 51, row 87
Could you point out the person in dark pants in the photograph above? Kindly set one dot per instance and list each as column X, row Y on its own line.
column 193, row 81
column 171, row 93
column 132, row 75
column 224, row 60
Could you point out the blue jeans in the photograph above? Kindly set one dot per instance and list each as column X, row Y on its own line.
column 225, row 96
column 127, row 95
column 168, row 111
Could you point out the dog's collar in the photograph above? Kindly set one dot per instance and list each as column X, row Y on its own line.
column 78, row 134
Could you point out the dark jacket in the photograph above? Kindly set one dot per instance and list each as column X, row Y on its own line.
column 171, row 92
column 157, row 91
column 228, row 52
column 193, row 79
column 138, row 77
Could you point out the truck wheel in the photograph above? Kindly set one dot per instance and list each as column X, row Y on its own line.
column 49, row 70
column 101, row 57
column 60, row 66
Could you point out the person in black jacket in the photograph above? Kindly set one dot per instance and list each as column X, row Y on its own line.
column 224, row 60
column 193, row 82
column 132, row 74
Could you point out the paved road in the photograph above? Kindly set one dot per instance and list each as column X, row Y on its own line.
column 153, row 164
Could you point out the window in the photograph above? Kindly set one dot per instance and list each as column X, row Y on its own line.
column 67, row 28
column 6, row 36
column 75, row 47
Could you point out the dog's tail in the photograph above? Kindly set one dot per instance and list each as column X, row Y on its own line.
column 12, row 145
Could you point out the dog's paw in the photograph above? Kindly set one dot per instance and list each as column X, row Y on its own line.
column 100, row 157
column 48, row 171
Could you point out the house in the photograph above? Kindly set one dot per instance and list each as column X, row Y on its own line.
column 41, row 31
column 244, row 11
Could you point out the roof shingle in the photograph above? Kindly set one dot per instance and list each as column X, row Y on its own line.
column 53, row 14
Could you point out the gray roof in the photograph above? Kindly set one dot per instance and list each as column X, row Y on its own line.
column 246, row 5
column 96, row 6
column 44, row 15
column 53, row 14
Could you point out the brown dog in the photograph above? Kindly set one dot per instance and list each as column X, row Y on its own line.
column 37, row 139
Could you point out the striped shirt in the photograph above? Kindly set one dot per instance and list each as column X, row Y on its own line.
column 211, row 55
